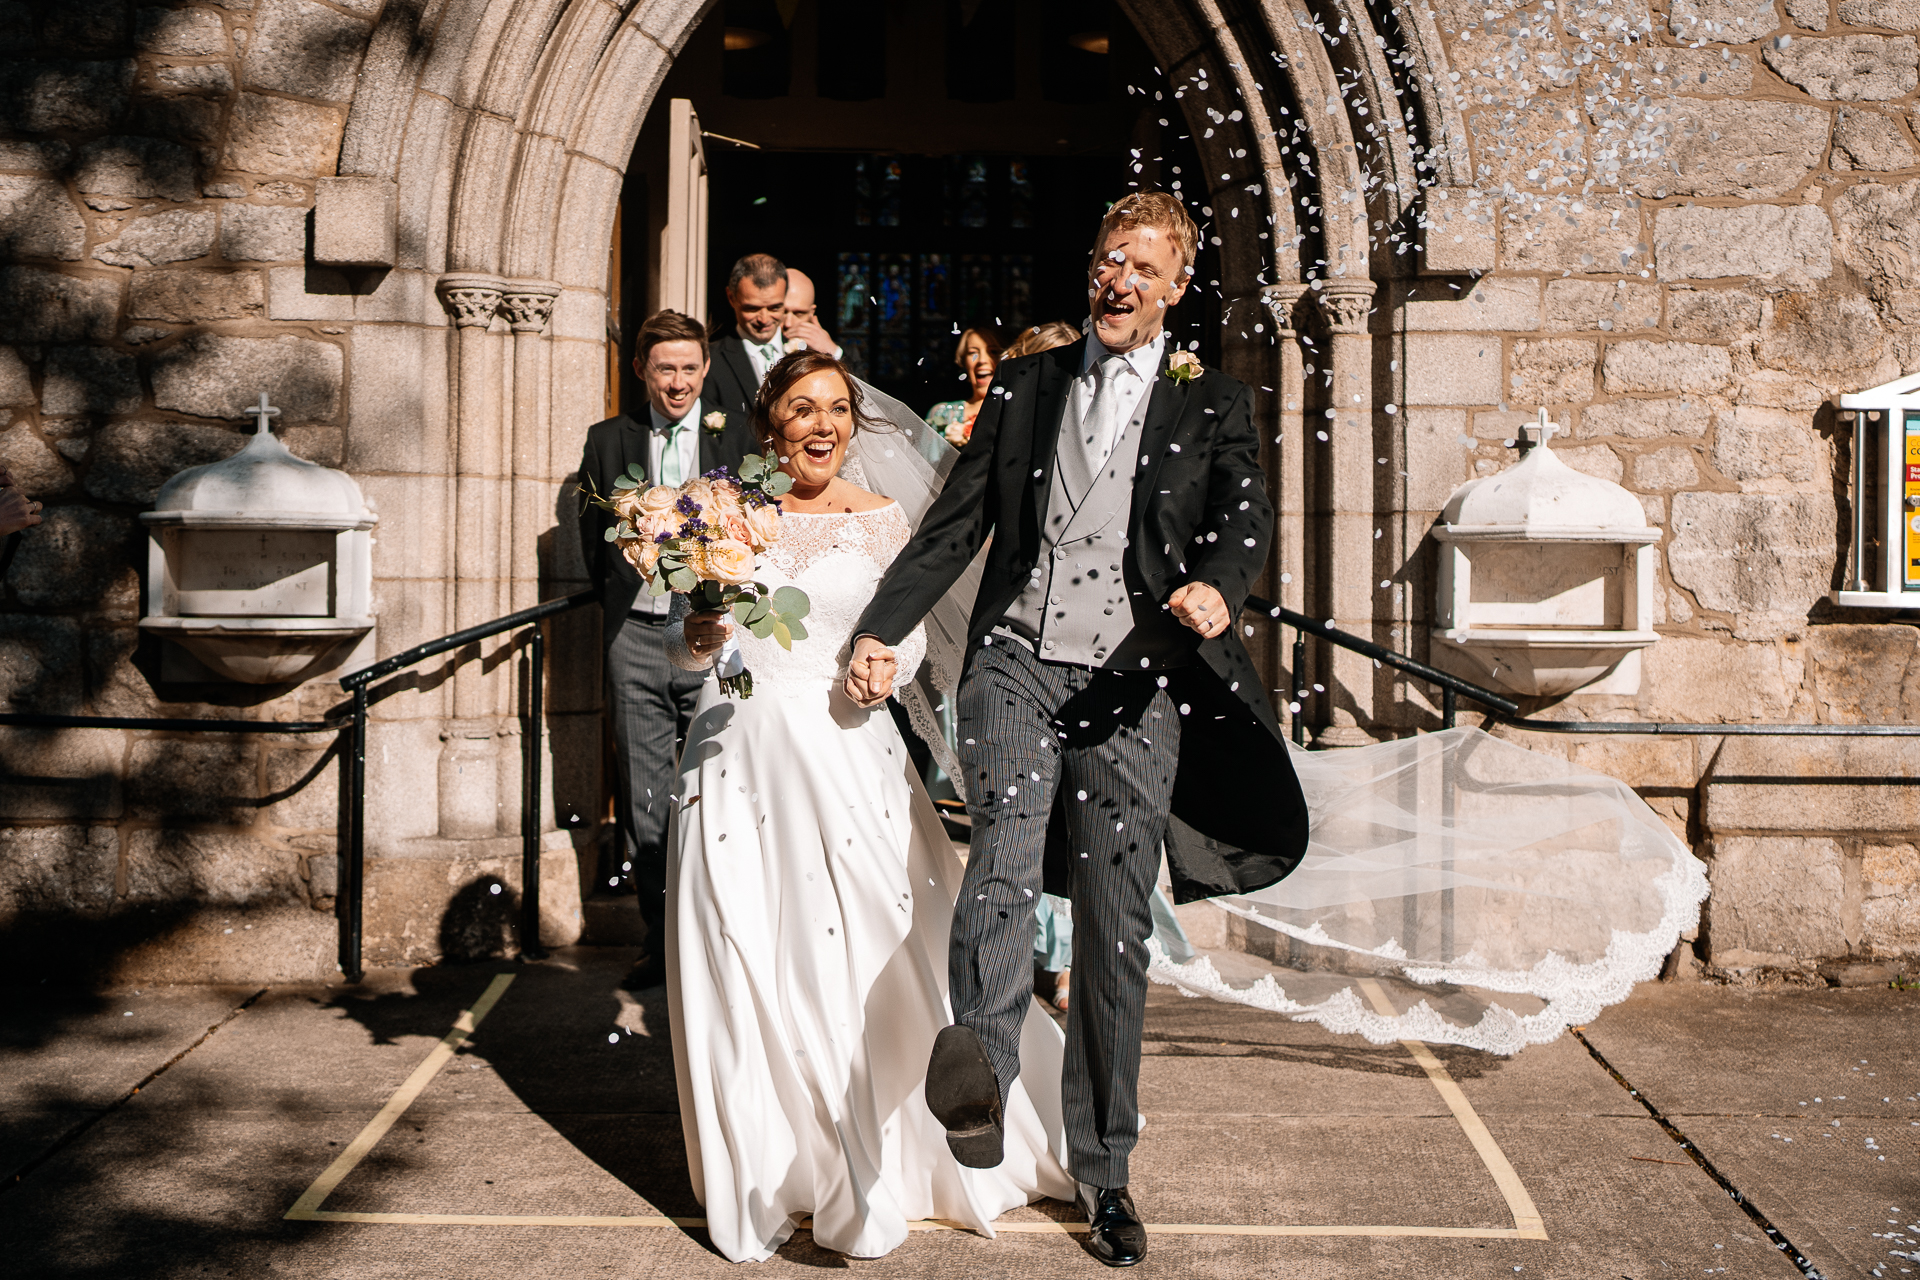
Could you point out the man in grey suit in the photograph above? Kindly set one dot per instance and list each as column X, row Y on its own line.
column 650, row 699
column 1104, row 689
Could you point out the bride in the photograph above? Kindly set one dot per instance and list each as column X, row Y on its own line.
column 811, row 898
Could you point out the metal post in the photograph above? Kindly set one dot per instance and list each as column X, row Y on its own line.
column 530, row 948
column 353, row 857
column 1300, row 687
column 1448, row 708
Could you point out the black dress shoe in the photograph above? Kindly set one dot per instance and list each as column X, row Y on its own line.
column 964, row 1096
column 647, row 973
column 1118, row 1238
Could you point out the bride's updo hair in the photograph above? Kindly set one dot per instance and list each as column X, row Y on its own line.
column 795, row 366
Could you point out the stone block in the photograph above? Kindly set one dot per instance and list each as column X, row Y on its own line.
column 1669, row 468
column 62, row 870
column 216, row 868
column 354, row 221
column 1776, row 900
column 194, row 780
column 1752, row 149
column 174, row 236
column 1854, row 68
column 1551, row 371
column 1765, row 558
column 396, row 401
column 1864, row 674
column 58, row 95
column 281, row 136
column 16, row 386
column 1457, row 236
column 39, row 658
column 34, row 157
column 43, row 306
column 1721, row 21
column 262, row 233
column 308, row 293
column 1890, row 909
column 1665, row 366
column 268, row 942
column 1793, row 243
column 75, row 559
column 190, row 33
column 131, row 460
column 208, row 79
column 136, row 168
column 1701, row 681
column 90, row 381
column 1808, row 15
column 1436, row 456
column 40, row 219
column 190, row 295
column 1639, row 762
column 1864, row 138
column 1451, row 369
column 1879, row 233
column 303, row 791
column 213, row 376
column 60, row 775
column 1821, row 333
column 304, row 48
column 37, row 469
column 1593, row 460
column 1772, row 389
column 1600, row 235
column 1767, row 449
column 1713, row 72
column 1609, row 306
column 1890, row 15
column 1831, row 787
column 1490, row 303
column 1718, row 316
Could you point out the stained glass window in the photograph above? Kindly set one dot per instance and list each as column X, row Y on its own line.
column 851, row 314
column 1019, row 194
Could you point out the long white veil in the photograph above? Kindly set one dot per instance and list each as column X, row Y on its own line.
column 1458, row 888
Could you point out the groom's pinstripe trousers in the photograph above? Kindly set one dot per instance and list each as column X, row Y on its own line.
column 1110, row 741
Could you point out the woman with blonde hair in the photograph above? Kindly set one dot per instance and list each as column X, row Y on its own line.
column 1041, row 337
column 978, row 354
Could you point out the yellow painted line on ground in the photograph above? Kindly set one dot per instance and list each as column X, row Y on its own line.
column 1527, row 1224
column 307, row 1207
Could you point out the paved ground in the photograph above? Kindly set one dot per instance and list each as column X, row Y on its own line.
column 562, row 1106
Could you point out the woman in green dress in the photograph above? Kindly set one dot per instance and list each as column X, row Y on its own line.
column 978, row 355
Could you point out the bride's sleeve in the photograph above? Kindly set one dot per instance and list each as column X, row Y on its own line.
column 676, row 638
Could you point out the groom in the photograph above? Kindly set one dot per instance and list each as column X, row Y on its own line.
column 1104, row 689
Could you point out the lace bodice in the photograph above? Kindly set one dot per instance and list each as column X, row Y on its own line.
column 837, row 558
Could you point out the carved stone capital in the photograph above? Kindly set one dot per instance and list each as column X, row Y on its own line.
column 528, row 304
column 1345, row 304
column 470, row 299
column 1281, row 302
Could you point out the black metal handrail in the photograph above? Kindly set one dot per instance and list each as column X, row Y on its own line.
column 1507, row 710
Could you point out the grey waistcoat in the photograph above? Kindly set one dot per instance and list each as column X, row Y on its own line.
column 1081, row 605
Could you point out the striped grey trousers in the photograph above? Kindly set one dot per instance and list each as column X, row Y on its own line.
column 1109, row 741
column 651, row 702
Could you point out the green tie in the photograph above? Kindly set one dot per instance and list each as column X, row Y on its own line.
column 671, row 473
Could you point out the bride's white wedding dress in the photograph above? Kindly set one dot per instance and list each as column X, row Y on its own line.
column 809, row 906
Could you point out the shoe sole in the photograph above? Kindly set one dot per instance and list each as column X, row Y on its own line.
column 964, row 1096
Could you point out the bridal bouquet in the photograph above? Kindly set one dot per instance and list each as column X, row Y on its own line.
column 701, row 539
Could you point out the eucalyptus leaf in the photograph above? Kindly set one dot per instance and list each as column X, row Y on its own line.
column 791, row 602
column 682, row 580
column 783, row 635
column 613, row 534
column 763, row 628
column 743, row 612
column 759, row 609
column 795, row 627
column 778, row 483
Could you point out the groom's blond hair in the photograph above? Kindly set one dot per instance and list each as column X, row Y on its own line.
column 1154, row 209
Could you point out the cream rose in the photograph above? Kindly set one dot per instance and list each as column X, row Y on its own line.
column 642, row 555
column 651, row 527
column 727, row 560
column 657, row 501
column 764, row 524
column 701, row 491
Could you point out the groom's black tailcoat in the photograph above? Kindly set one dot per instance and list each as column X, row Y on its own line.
column 1200, row 514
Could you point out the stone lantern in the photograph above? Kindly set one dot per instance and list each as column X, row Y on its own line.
column 261, row 566
column 1546, row 579
column 1883, row 571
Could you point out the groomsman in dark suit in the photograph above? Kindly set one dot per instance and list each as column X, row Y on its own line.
column 1105, row 687
column 679, row 436
column 742, row 354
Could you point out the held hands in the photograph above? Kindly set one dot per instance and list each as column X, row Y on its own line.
column 1200, row 606
column 708, row 632
column 870, row 674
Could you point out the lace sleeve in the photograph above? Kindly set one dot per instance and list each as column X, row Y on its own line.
column 676, row 638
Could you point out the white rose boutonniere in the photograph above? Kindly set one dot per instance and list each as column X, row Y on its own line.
column 715, row 422
column 1183, row 366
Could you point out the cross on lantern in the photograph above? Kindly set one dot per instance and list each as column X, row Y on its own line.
column 261, row 412
column 1542, row 430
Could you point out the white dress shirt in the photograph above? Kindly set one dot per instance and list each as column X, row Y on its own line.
column 763, row 356
column 684, row 438
column 1134, row 379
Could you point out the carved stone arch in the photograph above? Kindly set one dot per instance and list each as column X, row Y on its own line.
column 1372, row 102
